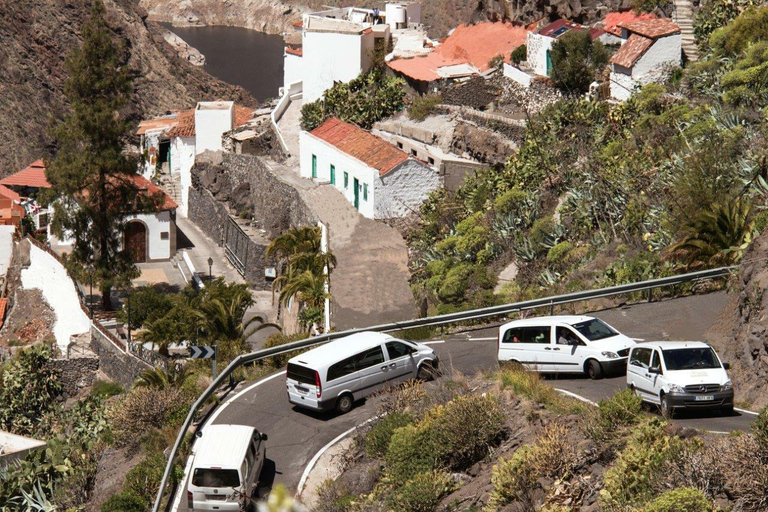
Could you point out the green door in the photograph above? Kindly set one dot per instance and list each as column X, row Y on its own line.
column 314, row 166
column 549, row 63
column 356, row 183
column 333, row 174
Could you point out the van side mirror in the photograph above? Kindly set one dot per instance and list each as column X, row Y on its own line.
column 263, row 436
column 726, row 366
column 656, row 371
column 573, row 341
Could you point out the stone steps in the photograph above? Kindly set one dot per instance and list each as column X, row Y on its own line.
column 683, row 16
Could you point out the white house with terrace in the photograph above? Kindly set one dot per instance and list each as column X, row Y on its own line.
column 649, row 49
column 380, row 180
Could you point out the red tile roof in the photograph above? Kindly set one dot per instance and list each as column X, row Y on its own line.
column 148, row 188
column 164, row 122
column 32, row 176
column 185, row 121
column 8, row 193
column 3, row 308
column 613, row 19
column 631, row 51
column 469, row 44
column 360, row 144
column 294, row 51
column 653, row 29
column 558, row 28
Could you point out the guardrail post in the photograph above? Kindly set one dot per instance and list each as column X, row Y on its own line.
column 551, row 308
column 650, row 294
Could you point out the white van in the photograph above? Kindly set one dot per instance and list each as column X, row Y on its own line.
column 680, row 374
column 226, row 467
column 565, row 344
column 338, row 373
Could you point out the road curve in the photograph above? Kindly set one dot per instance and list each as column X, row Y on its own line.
column 296, row 435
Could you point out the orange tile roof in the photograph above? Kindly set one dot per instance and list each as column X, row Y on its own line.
column 150, row 189
column 469, row 44
column 185, row 121
column 164, row 122
column 3, row 308
column 294, row 51
column 558, row 28
column 32, row 176
column 631, row 51
column 613, row 19
column 360, row 144
column 655, row 28
column 8, row 193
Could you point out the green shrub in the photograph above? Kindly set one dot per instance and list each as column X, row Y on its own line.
column 278, row 339
column 682, row 499
column 510, row 201
column 760, row 428
column 496, row 62
column 147, row 305
column 412, row 450
column 528, row 384
column 333, row 496
column 106, row 388
column 144, row 479
column 633, row 478
column 124, row 502
column 423, row 106
column 422, row 493
column 648, row 5
column 576, row 60
column 542, row 228
column 377, row 439
column 558, row 254
column 519, row 54
column 622, row 409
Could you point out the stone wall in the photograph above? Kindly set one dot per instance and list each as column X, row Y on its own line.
column 75, row 373
column 119, row 366
column 477, row 92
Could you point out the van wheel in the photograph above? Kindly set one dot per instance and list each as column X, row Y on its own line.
column 666, row 411
column 426, row 372
column 594, row 370
column 344, row 404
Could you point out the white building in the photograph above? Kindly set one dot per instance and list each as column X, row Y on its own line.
column 539, row 43
column 380, row 180
column 649, row 49
column 214, row 119
column 337, row 45
column 400, row 15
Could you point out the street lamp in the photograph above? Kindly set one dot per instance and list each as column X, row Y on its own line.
column 210, row 268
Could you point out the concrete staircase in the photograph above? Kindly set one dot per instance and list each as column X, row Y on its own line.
column 683, row 16
column 170, row 184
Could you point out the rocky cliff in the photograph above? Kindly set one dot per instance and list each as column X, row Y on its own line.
column 439, row 16
column 36, row 37
column 740, row 334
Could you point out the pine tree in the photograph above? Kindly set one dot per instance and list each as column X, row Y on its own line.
column 90, row 174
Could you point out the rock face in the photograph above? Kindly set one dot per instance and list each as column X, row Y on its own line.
column 186, row 52
column 740, row 334
column 37, row 36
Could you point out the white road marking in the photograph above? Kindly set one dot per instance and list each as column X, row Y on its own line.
column 324, row 449
column 718, row 432
column 188, row 467
column 435, row 342
column 484, row 339
column 745, row 411
column 577, row 397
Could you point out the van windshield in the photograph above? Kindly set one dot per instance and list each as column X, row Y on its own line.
column 594, row 329
column 206, row 477
column 690, row 359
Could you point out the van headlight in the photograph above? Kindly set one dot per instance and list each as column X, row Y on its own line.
column 728, row 385
column 610, row 355
column 674, row 388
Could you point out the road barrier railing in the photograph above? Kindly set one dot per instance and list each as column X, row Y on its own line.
column 488, row 312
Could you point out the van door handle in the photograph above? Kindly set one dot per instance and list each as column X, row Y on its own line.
column 556, row 348
column 547, row 348
column 383, row 368
column 392, row 365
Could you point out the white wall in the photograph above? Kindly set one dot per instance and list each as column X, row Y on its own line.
column 292, row 70
column 622, row 84
column 156, row 223
column 521, row 77
column 327, row 155
column 45, row 273
column 329, row 57
column 665, row 51
column 150, row 139
column 536, row 48
column 182, row 160
column 210, row 125
column 402, row 190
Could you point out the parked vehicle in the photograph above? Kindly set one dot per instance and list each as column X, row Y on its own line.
column 227, row 463
column 680, row 375
column 565, row 344
column 338, row 373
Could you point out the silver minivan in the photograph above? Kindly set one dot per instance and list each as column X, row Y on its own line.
column 338, row 373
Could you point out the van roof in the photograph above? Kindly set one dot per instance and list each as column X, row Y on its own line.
column 549, row 320
column 223, row 446
column 338, row 349
column 672, row 345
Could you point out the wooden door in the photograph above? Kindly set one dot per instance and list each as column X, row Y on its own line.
column 136, row 241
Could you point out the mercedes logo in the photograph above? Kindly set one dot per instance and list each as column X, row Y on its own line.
column 215, row 491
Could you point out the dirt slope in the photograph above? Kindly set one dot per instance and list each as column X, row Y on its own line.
column 36, row 37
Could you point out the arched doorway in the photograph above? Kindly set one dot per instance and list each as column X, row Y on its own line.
column 136, row 241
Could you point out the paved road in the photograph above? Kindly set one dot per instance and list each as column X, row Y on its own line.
column 295, row 436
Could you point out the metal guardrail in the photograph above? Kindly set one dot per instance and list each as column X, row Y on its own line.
column 493, row 311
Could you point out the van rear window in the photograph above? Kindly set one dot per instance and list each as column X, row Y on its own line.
column 301, row 374
column 204, row 477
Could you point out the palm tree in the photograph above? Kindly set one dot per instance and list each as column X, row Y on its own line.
column 305, row 239
column 717, row 236
column 173, row 377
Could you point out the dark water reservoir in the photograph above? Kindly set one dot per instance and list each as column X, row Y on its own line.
column 240, row 56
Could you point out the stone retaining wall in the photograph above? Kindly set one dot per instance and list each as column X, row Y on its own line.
column 75, row 374
column 119, row 366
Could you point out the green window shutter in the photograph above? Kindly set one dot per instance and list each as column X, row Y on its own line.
column 333, row 174
column 314, row 166
column 346, row 179
column 365, row 191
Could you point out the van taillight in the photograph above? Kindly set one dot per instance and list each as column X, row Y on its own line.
column 190, row 501
column 318, row 385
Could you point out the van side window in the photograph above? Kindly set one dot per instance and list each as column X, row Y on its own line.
column 395, row 349
column 251, row 457
column 537, row 334
column 656, row 361
column 513, row 336
column 369, row 358
column 641, row 357
column 342, row 368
